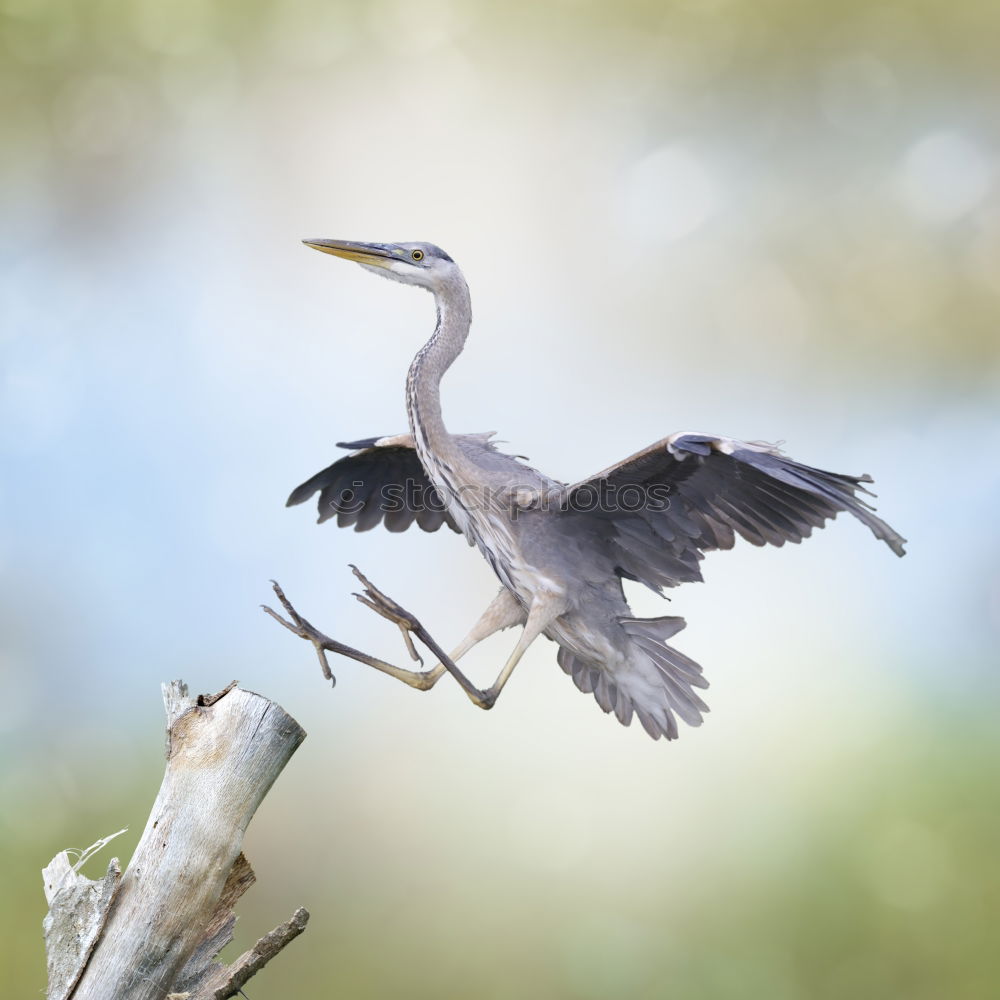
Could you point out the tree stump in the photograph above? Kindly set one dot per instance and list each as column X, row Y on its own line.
column 153, row 933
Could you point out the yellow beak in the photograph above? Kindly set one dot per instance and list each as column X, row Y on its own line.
column 374, row 254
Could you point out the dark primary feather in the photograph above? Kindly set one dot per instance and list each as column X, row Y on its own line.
column 377, row 484
column 716, row 489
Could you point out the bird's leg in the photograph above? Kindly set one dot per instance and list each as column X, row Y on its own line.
column 543, row 611
column 502, row 612
column 324, row 644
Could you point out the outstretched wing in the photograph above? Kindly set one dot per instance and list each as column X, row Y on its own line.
column 382, row 481
column 691, row 493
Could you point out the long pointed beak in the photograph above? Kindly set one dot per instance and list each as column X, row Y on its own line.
column 373, row 254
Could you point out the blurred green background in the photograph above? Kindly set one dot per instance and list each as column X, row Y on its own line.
column 768, row 219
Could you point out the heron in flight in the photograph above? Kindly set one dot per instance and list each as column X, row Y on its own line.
column 561, row 551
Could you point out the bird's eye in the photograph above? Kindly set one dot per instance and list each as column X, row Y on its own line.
column 417, row 254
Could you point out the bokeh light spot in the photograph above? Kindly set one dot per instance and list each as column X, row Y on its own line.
column 943, row 177
column 668, row 195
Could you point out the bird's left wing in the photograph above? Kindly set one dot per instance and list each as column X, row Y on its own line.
column 381, row 481
column 687, row 494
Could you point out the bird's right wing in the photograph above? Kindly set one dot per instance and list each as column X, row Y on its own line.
column 690, row 493
column 381, row 481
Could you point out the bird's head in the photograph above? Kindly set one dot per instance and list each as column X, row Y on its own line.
column 412, row 263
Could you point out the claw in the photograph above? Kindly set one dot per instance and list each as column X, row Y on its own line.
column 303, row 629
column 387, row 608
column 411, row 649
column 373, row 593
column 281, row 621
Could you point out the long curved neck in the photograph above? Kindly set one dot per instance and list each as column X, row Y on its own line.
column 423, row 383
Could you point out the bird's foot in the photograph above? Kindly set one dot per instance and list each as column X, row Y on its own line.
column 385, row 606
column 408, row 625
column 304, row 630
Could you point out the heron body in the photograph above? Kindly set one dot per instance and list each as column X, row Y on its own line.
column 562, row 551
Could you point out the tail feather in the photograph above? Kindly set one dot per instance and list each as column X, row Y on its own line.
column 623, row 709
column 605, row 692
column 656, row 686
column 680, row 664
column 662, row 628
column 656, row 728
column 583, row 676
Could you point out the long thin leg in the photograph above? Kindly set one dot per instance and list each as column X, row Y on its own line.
column 539, row 618
column 503, row 612
column 543, row 611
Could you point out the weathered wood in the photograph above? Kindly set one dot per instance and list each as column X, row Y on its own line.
column 154, row 931
column 219, row 982
column 73, row 926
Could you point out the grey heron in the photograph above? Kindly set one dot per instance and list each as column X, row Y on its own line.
column 561, row 551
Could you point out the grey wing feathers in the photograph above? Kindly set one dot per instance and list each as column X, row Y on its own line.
column 717, row 488
column 382, row 482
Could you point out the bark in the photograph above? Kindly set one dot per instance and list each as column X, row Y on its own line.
column 154, row 931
